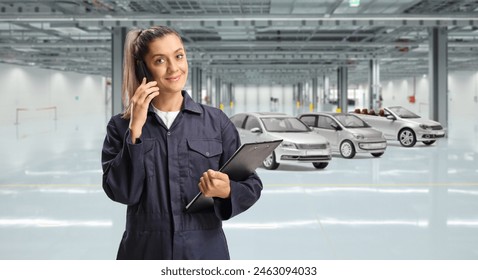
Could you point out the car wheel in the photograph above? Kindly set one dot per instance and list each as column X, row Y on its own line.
column 320, row 165
column 407, row 137
column 270, row 162
column 347, row 149
column 428, row 143
column 377, row 154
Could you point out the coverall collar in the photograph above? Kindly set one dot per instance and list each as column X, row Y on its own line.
column 188, row 104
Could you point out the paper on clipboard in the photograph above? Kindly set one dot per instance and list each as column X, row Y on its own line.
column 240, row 166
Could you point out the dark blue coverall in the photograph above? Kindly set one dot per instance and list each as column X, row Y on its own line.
column 159, row 175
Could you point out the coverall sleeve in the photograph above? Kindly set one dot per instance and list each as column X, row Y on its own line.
column 243, row 193
column 123, row 164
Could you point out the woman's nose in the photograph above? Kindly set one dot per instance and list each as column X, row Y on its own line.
column 173, row 67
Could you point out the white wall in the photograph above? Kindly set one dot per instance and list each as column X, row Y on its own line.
column 397, row 92
column 462, row 94
column 76, row 94
column 463, row 107
column 255, row 98
column 32, row 88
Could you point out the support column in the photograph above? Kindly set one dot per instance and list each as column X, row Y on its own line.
column 209, row 89
column 326, row 94
column 218, row 96
column 438, row 74
column 306, row 94
column 374, row 84
column 117, row 48
column 342, row 89
column 315, row 94
column 196, row 83
column 225, row 93
column 300, row 93
column 230, row 89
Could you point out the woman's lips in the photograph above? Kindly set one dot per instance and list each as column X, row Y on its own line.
column 173, row 79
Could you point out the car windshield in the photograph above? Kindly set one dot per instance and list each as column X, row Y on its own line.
column 284, row 124
column 403, row 113
column 350, row 121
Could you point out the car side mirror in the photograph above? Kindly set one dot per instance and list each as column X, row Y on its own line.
column 256, row 130
column 391, row 117
column 335, row 126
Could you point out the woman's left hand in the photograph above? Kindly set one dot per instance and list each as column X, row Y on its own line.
column 215, row 184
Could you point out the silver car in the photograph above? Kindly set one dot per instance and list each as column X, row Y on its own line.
column 346, row 133
column 398, row 123
column 300, row 143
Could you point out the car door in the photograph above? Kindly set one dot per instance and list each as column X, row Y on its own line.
column 252, row 122
column 309, row 120
column 238, row 121
column 326, row 129
column 388, row 126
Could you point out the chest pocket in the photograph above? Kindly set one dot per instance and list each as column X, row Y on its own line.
column 203, row 154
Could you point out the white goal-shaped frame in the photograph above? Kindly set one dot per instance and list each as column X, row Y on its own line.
column 43, row 109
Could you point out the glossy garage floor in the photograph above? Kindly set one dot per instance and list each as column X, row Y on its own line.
column 415, row 203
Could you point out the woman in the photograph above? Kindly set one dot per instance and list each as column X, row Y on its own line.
column 162, row 150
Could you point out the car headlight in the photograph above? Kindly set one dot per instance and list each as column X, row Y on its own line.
column 424, row 126
column 288, row 145
column 358, row 136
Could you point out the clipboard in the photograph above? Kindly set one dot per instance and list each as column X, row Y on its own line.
column 240, row 166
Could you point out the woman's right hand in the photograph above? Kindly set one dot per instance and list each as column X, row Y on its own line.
column 139, row 107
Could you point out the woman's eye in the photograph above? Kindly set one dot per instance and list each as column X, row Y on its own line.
column 180, row 56
column 159, row 61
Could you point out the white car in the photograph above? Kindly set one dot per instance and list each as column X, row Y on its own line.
column 398, row 123
column 346, row 133
column 300, row 143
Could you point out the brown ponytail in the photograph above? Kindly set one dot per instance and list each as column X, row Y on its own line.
column 136, row 46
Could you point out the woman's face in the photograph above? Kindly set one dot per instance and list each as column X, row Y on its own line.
column 167, row 62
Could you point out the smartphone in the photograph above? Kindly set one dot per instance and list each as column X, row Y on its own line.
column 142, row 71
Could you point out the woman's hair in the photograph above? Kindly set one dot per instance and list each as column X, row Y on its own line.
column 136, row 46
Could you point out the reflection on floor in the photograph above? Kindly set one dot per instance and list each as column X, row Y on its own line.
column 412, row 203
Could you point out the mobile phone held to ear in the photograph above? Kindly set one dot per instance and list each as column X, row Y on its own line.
column 142, row 71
